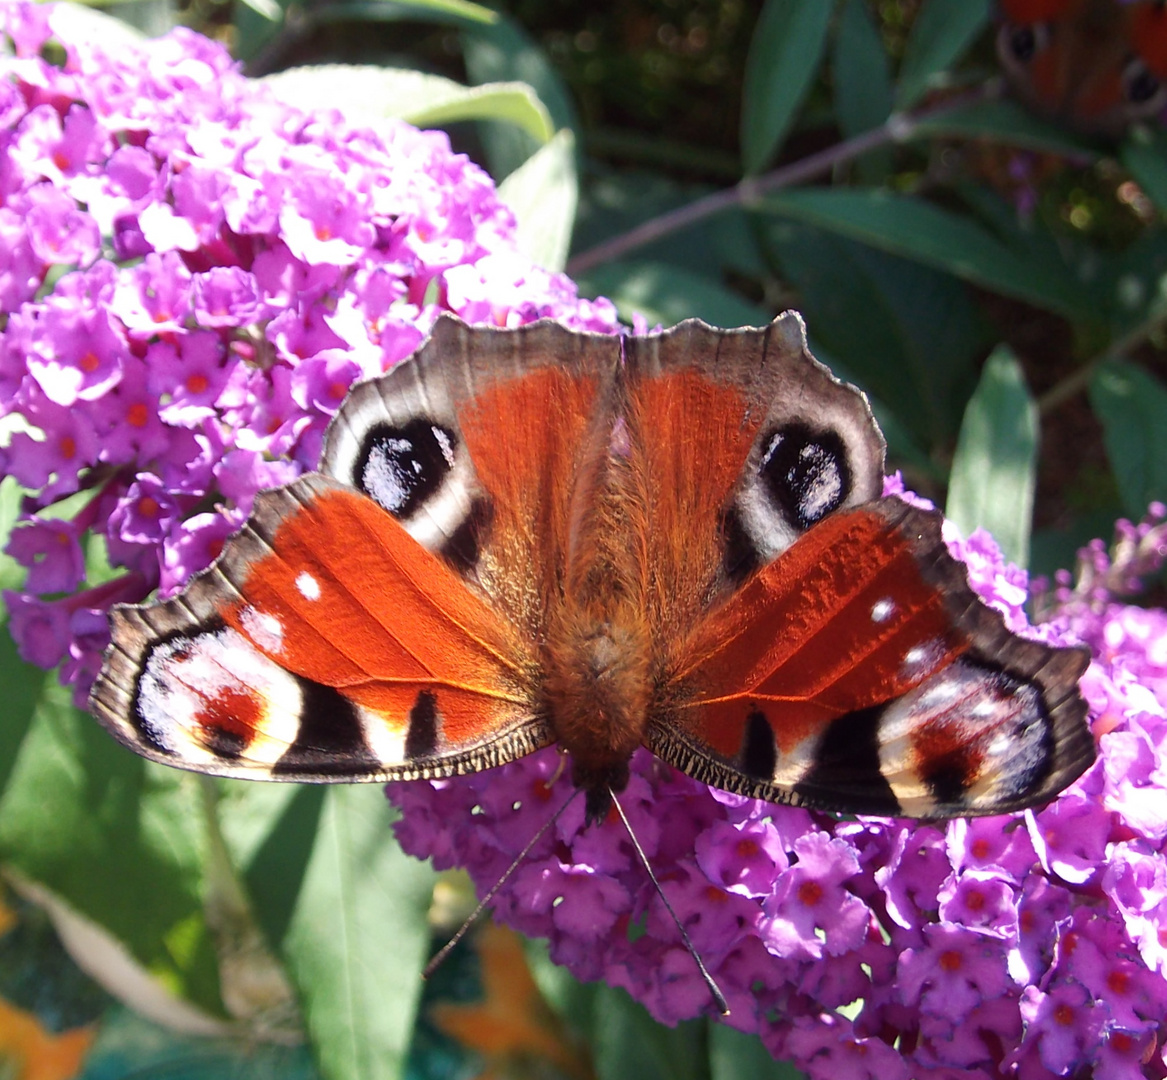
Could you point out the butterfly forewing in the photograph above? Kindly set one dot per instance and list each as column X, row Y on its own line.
column 499, row 426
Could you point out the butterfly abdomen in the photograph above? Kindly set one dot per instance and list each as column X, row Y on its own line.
column 597, row 682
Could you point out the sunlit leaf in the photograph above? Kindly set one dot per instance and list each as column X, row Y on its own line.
column 543, row 193
column 994, row 470
column 785, row 52
column 365, row 93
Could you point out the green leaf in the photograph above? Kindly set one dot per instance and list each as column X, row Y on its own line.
column 1145, row 155
column 862, row 80
column 502, row 52
column 629, row 1044
column 543, row 192
column 102, row 29
column 265, row 9
column 1132, row 405
column 20, row 687
column 909, row 226
column 12, row 574
column 1005, row 122
column 783, row 60
column 909, row 334
column 256, row 31
column 994, row 470
column 358, row 937
column 734, row 1055
column 117, row 839
column 364, row 93
column 425, row 10
column 270, row 831
column 1131, row 284
column 666, row 295
column 941, row 33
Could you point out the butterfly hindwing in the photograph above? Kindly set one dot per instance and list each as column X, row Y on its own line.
column 324, row 644
column 859, row 673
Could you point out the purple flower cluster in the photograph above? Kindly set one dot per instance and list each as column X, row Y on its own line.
column 191, row 276
column 1032, row 945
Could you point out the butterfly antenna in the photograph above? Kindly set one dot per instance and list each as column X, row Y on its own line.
column 718, row 996
column 440, row 956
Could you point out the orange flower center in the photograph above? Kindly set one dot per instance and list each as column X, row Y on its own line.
column 810, row 893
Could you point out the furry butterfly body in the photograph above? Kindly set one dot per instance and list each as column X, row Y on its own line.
column 1095, row 64
column 535, row 536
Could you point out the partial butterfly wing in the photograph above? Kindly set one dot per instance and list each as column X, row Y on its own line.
column 361, row 626
column 478, row 446
column 1095, row 64
column 840, row 660
column 324, row 644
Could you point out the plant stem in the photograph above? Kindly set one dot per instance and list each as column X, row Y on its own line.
column 897, row 128
column 1079, row 379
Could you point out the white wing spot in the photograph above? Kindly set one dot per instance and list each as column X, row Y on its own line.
column 307, row 585
column 265, row 630
column 444, row 444
column 882, row 610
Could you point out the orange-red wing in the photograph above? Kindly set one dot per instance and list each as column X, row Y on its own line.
column 858, row 672
column 324, row 644
column 692, row 436
column 530, row 439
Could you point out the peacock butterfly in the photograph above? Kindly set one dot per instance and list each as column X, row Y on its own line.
column 527, row 536
column 1095, row 64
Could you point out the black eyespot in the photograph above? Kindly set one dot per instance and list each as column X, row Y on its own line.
column 1139, row 84
column 805, row 473
column 1022, row 42
column 402, row 467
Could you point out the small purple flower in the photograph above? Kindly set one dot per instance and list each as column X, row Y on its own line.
column 51, row 551
column 146, row 513
column 74, row 355
column 810, row 913
column 224, row 296
column 41, row 628
column 58, row 231
column 1064, row 1024
column 987, row 842
column 742, row 859
column 981, row 899
column 1070, row 837
column 953, row 972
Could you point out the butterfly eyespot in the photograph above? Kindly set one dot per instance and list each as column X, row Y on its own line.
column 1140, row 85
column 805, row 473
column 401, row 467
column 1025, row 42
